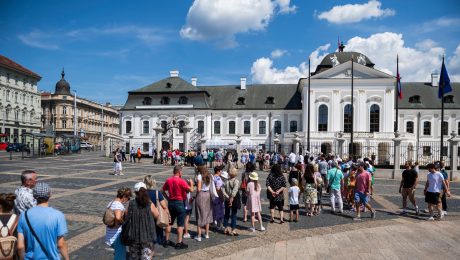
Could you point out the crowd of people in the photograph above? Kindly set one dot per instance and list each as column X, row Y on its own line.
column 217, row 199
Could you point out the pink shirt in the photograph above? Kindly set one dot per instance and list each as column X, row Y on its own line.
column 362, row 182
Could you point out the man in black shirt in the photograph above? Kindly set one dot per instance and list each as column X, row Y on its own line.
column 407, row 187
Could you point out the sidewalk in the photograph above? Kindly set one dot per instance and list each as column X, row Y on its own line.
column 405, row 239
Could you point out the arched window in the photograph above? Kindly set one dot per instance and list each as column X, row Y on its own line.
column 410, row 127
column 374, row 118
column 426, row 128
column 183, row 100
column 347, row 117
column 181, row 126
column 147, row 101
column 145, row 127
column 231, row 127
column 164, row 101
column 64, row 110
column 322, row 118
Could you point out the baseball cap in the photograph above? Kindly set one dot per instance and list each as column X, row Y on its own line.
column 138, row 186
column 42, row 190
column 224, row 175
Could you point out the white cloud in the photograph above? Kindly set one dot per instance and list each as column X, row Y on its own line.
column 221, row 20
column 352, row 13
column 38, row 39
column 442, row 23
column 278, row 53
column 415, row 63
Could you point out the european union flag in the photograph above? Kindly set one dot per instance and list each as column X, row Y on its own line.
column 444, row 81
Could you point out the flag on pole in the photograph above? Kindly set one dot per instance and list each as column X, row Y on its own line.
column 444, row 81
column 398, row 78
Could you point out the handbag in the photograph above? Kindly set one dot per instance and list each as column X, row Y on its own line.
column 109, row 216
column 8, row 241
column 163, row 218
column 328, row 189
column 36, row 237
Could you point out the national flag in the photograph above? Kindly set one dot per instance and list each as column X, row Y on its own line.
column 398, row 79
column 444, row 81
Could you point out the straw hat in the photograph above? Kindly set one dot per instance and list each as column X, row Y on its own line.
column 253, row 176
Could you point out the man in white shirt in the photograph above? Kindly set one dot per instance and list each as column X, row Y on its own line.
column 433, row 188
column 292, row 160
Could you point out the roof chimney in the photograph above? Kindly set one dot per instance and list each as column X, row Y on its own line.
column 194, row 80
column 174, row 73
column 435, row 79
column 242, row 83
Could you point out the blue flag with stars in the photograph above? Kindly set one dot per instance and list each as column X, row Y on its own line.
column 444, row 81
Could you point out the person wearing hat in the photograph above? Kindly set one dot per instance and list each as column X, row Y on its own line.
column 254, row 205
column 41, row 229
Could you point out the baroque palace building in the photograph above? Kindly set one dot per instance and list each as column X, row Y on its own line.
column 19, row 100
column 92, row 117
column 275, row 116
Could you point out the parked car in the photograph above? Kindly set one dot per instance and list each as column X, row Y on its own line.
column 17, row 147
column 3, row 146
column 86, row 145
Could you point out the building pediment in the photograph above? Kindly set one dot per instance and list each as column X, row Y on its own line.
column 343, row 71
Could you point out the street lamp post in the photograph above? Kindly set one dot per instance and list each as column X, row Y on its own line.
column 75, row 112
column 102, row 129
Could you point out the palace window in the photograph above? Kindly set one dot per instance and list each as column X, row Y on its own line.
column 145, row 147
column 347, row 118
column 147, row 101
column 165, row 101
column 277, row 127
column 217, row 127
column 231, row 127
column 64, row 110
column 200, row 129
column 262, row 127
column 414, row 99
column 247, row 127
column 293, row 126
column 64, row 123
column 374, row 119
column 410, row 127
column 426, row 128
column 128, row 126
column 16, row 97
column 181, row 126
column 145, row 127
column 270, row 101
column 426, row 150
column 322, row 118
column 240, row 101
column 183, row 100
column 445, row 128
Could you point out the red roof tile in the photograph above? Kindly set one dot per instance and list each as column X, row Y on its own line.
column 4, row 61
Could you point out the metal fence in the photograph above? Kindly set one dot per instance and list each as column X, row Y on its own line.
column 426, row 152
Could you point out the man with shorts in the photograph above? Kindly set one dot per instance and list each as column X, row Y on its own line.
column 433, row 188
column 292, row 160
column 175, row 190
column 363, row 184
column 407, row 187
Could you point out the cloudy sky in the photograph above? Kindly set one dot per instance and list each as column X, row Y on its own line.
column 110, row 47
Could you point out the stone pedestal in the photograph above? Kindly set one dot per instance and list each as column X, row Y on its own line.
column 397, row 155
column 158, row 131
column 453, row 157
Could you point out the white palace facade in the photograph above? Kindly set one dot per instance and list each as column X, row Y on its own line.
column 175, row 113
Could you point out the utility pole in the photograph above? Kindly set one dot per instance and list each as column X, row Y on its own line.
column 102, row 129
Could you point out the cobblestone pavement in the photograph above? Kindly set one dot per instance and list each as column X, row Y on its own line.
column 82, row 187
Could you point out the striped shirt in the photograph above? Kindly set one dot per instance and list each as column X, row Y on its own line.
column 111, row 234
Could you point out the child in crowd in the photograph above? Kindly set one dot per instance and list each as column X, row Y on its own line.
column 294, row 192
column 188, row 213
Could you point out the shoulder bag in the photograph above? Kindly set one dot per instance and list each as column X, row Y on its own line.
column 163, row 218
column 109, row 216
column 36, row 237
column 8, row 241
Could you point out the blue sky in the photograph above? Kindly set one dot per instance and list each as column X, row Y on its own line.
column 111, row 47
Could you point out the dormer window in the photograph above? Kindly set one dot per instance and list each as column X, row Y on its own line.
column 183, row 100
column 414, row 99
column 147, row 101
column 270, row 100
column 449, row 99
column 168, row 85
column 164, row 101
column 240, row 101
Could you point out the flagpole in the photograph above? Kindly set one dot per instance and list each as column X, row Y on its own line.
column 352, row 115
column 397, row 93
column 308, row 101
column 441, row 85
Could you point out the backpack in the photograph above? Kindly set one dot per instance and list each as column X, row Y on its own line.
column 7, row 239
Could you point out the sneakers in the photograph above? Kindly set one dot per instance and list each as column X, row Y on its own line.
column 206, row 236
column 181, row 245
column 262, row 228
column 403, row 212
column 444, row 212
column 441, row 216
column 187, row 235
column 431, row 218
column 417, row 211
column 168, row 243
column 373, row 214
column 251, row 229
column 357, row 218
column 197, row 238
column 121, row 174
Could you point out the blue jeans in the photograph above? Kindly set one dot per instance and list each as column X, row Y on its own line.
column 120, row 249
column 233, row 211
